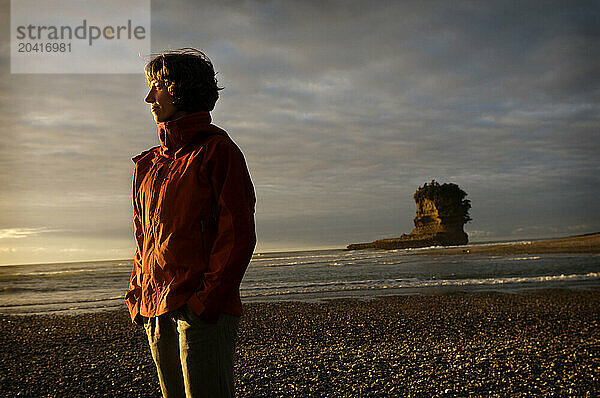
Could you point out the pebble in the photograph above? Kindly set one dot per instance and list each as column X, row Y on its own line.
column 538, row 343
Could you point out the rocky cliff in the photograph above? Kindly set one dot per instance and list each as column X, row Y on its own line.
column 442, row 212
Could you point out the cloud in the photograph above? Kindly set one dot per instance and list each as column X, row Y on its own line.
column 579, row 227
column 342, row 109
column 21, row 233
column 475, row 235
column 72, row 250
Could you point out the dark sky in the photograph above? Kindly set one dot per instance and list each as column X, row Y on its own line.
column 342, row 108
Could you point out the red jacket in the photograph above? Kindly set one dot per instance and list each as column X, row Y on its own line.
column 193, row 206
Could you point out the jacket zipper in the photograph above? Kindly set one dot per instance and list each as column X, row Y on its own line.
column 156, row 189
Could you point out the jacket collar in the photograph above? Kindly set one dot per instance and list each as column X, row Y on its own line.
column 175, row 134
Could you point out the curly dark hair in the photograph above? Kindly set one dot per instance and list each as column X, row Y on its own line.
column 188, row 76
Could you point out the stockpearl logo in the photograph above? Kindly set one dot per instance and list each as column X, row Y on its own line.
column 79, row 36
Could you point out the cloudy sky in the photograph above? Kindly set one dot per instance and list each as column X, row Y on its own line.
column 342, row 108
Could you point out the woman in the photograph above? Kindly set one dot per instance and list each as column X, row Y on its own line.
column 193, row 204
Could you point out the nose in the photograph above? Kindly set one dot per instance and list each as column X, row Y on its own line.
column 150, row 97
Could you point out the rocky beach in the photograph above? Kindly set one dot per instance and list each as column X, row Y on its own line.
column 481, row 344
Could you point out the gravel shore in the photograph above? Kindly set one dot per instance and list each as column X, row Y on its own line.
column 589, row 243
column 480, row 344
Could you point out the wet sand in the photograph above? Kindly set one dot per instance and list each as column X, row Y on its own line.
column 480, row 344
column 577, row 244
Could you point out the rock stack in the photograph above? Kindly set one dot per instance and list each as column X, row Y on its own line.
column 442, row 212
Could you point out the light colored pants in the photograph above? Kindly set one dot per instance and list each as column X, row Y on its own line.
column 193, row 358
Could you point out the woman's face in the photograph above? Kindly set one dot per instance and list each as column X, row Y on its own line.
column 161, row 102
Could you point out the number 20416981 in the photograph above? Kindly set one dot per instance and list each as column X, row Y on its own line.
column 44, row 47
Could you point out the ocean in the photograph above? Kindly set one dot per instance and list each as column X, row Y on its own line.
column 91, row 286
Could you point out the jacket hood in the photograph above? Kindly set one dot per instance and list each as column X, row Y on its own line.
column 174, row 134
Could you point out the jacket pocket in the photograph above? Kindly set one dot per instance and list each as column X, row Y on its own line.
column 188, row 315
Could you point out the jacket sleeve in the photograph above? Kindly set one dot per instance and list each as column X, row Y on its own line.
column 235, row 236
column 132, row 296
